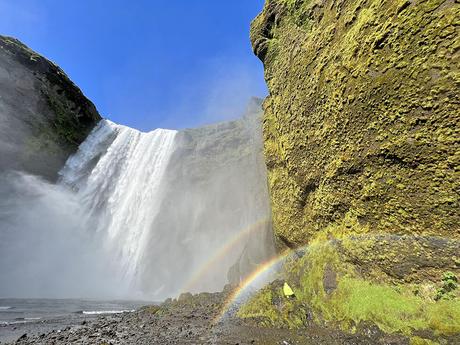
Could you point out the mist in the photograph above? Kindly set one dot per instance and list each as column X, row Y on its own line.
column 140, row 215
column 47, row 248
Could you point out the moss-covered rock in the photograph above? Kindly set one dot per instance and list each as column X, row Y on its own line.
column 44, row 116
column 355, row 292
column 362, row 143
column 363, row 114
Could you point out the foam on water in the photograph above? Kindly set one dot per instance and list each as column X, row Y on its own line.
column 104, row 312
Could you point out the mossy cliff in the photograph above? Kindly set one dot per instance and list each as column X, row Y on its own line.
column 362, row 144
column 391, row 288
column 44, row 116
column 362, row 119
column 333, row 290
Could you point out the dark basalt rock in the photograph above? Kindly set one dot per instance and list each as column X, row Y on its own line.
column 44, row 116
column 329, row 279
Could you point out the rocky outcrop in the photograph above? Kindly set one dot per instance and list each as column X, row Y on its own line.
column 362, row 142
column 363, row 117
column 362, row 284
column 43, row 115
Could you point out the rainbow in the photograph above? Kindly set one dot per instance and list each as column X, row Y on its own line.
column 222, row 252
column 250, row 279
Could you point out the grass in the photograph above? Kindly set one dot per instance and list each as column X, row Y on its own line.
column 394, row 309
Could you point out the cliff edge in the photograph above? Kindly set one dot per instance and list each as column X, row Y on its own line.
column 362, row 143
column 362, row 120
column 43, row 115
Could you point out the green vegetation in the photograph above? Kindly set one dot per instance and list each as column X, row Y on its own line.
column 152, row 309
column 421, row 341
column 353, row 302
column 449, row 287
column 66, row 126
column 392, row 310
column 362, row 147
column 362, row 115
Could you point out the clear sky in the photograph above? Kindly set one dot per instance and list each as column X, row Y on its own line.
column 148, row 63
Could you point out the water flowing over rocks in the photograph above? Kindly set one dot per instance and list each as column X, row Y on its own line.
column 177, row 209
column 141, row 215
column 157, row 213
column 361, row 142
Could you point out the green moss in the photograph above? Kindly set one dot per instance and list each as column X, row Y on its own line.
column 362, row 143
column 449, row 287
column 270, row 309
column 262, row 308
column 343, row 229
column 361, row 116
column 354, row 300
column 152, row 309
column 392, row 310
column 421, row 341
column 65, row 124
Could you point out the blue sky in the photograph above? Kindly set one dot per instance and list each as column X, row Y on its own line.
column 148, row 64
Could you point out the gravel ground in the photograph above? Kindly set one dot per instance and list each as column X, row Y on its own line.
column 191, row 320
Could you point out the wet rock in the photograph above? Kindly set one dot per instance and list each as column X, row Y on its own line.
column 22, row 337
column 329, row 279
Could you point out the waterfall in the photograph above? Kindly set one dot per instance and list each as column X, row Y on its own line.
column 140, row 215
column 123, row 188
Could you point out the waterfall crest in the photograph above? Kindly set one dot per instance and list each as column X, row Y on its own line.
column 140, row 215
column 122, row 189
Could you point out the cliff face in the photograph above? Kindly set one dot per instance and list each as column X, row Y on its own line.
column 362, row 121
column 43, row 115
column 362, row 142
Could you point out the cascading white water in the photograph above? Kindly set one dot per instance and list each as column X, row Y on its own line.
column 140, row 215
column 122, row 190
